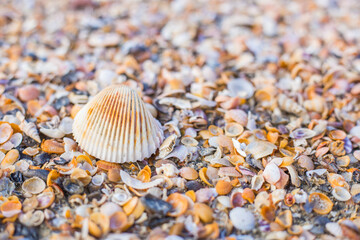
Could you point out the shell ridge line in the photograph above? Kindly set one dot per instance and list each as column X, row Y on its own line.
column 115, row 126
column 119, row 127
column 132, row 129
column 127, row 129
column 90, row 121
column 123, row 129
column 148, row 135
column 138, row 148
column 144, row 137
column 85, row 122
column 99, row 128
column 110, row 121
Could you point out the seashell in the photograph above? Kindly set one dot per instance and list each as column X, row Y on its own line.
column 236, row 115
column 189, row 173
column 336, row 180
column 223, row 187
column 145, row 174
column 278, row 195
column 284, row 219
column 205, row 194
column 322, row 203
column 52, row 146
column 240, row 87
column 268, row 213
column 65, row 125
column 118, row 221
column 224, row 200
column 341, row 194
column 242, row 219
column 137, row 184
column 33, row 185
column 179, row 204
column 300, row 196
column 355, row 189
column 168, row 170
column 10, row 158
column 295, row 230
column 80, row 175
column 343, row 161
column 16, row 139
column 46, row 198
column 203, row 176
column 256, row 182
column 32, row 219
column 99, row 224
column 289, row 200
column 355, row 131
column 189, row 141
column 237, row 199
column 272, row 173
column 305, row 162
column 10, row 208
column 302, row 133
column 316, row 104
column 29, row 92
column 233, row 129
column 357, row 154
column 337, row 135
column 289, row 105
column 204, row 212
column 97, row 130
column 248, row 195
column 167, row 146
column 106, row 166
column 337, row 148
column 130, row 206
column 334, row 229
column 260, row 149
column 6, row 132
column 30, row 130
column 294, row 177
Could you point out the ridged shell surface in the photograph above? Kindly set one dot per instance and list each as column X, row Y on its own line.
column 115, row 126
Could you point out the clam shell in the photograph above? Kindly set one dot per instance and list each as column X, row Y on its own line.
column 116, row 126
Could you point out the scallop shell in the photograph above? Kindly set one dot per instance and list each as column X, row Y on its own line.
column 115, row 126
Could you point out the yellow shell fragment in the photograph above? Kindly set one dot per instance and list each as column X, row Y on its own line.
column 116, row 126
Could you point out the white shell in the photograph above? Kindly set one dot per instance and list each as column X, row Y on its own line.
column 115, row 126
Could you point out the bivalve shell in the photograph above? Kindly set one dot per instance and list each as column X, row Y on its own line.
column 34, row 185
column 116, row 126
column 323, row 204
column 341, row 194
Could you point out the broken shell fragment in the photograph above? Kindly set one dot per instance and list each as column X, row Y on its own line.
column 10, row 208
column 284, row 219
column 118, row 221
column 116, row 126
column 137, row 184
column 260, row 148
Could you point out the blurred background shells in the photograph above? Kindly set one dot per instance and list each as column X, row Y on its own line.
column 116, row 126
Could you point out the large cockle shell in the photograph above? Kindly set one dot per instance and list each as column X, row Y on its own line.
column 116, row 126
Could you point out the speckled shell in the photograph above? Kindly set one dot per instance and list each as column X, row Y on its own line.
column 115, row 126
